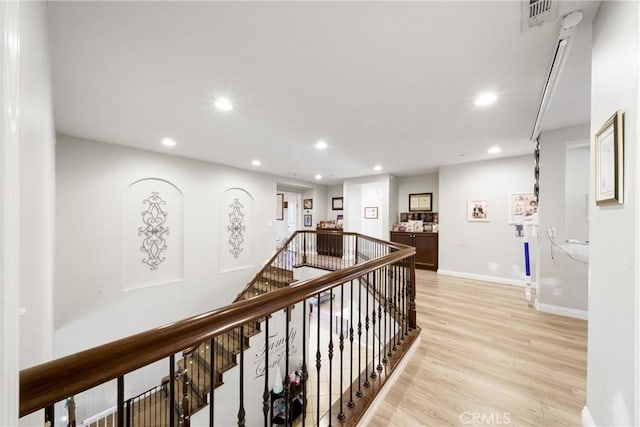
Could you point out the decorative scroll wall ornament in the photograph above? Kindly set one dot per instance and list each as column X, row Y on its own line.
column 236, row 227
column 153, row 233
column 154, row 230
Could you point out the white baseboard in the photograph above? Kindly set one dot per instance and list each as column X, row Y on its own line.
column 486, row 278
column 587, row 419
column 371, row 410
column 563, row 311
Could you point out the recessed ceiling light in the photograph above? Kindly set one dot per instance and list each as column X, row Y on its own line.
column 223, row 104
column 256, row 162
column 318, row 176
column 168, row 142
column 321, row 145
column 377, row 168
column 494, row 150
column 486, row 99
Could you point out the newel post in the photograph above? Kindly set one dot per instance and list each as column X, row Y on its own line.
column 412, row 295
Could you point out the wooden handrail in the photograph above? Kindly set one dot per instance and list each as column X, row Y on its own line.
column 268, row 264
column 53, row 381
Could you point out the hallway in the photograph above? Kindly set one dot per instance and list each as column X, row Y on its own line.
column 486, row 358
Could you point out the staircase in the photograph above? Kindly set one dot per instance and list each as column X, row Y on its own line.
column 381, row 269
column 193, row 377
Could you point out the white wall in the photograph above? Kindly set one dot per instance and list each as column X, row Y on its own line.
column 91, row 182
column 372, row 191
column 37, row 189
column 26, row 181
column 562, row 283
column 577, row 191
column 334, row 191
column 291, row 220
column 394, row 196
column 93, row 185
column 484, row 250
column 428, row 183
column 613, row 380
column 319, row 206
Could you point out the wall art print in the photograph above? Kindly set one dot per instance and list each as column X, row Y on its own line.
column 152, row 234
column 477, row 211
column 154, row 230
column 236, row 228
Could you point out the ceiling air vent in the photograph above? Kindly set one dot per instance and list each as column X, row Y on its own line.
column 537, row 12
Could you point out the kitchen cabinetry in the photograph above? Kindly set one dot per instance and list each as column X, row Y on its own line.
column 426, row 245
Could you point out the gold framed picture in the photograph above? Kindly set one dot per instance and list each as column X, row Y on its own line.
column 609, row 157
column 420, row 202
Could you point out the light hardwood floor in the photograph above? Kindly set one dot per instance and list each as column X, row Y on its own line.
column 487, row 358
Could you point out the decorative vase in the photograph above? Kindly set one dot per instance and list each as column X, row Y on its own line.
column 277, row 381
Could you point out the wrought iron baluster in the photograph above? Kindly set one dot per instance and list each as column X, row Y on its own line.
column 241, row 411
column 120, row 404
column 351, row 403
column 266, row 395
column 185, row 396
column 359, row 392
column 373, row 322
column 341, row 415
column 318, row 360
column 403, row 283
column 387, row 312
column 303, row 377
column 379, row 298
column 212, row 381
column 287, row 390
column 394, row 282
column 330, row 352
column 366, row 336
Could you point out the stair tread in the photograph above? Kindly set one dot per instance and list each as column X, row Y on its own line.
column 283, row 272
column 277, row 276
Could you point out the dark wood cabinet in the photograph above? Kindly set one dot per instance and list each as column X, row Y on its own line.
column 426, row 245
column 329, row 242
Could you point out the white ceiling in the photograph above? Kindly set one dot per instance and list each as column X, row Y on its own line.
column 390, row 83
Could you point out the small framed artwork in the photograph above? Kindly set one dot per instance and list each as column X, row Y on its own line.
column 279, row 206
column 522, row 207
column 477, row 211
column 371, row 213
column 307, row 221
column 420, row 202
column 609, row 148
column 337, row 203
column 307, row 204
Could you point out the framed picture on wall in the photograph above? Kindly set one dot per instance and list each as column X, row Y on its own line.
column 477, row 210
column 307, row 221
column 609, row 171
column 371, row 213
column 420, row 202
column 337, row 203
column 522, row 207
column 307, row 204
column 279, row 206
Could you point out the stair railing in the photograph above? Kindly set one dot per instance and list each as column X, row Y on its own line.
column 373, row 282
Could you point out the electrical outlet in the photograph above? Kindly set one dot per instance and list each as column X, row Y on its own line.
column 551, row 232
